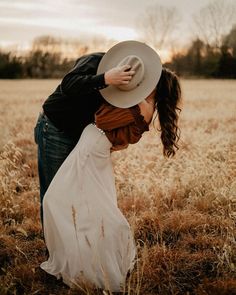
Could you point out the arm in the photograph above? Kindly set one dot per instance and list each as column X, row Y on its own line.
column 83, row 78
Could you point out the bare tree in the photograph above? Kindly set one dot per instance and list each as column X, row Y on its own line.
column 230, row 40
column 157, row 24
column 66, row 47
column 213, row 21
column 47, row 43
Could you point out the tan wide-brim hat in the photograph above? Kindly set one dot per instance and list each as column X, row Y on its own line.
column 147, row 66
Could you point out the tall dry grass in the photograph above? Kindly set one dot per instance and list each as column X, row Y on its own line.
column 182, row 210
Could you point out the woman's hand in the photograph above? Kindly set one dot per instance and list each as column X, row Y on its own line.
column 119, row 75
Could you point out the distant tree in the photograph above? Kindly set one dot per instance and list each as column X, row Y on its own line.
column 199, row 60
column 195, row 55
column 227, row 62
column 210, row 62
column 230, row 41
column 45, row 59
column 49, row 57
column 10, row 66
column 157, row 24
column 213, row 21
column 47, row 43
column 41, row 64
column 67, row 48
column 178, row 64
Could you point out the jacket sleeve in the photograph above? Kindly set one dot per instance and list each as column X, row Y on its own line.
column 82, row 78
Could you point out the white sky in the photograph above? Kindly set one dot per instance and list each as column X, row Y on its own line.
column 23, row 20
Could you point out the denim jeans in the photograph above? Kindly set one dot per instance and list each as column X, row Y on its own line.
column 53, row 148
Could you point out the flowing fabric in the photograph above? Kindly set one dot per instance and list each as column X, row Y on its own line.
column 85, row 232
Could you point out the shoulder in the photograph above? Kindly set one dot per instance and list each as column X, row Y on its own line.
column 146, row 110
column 139, row 118
column 92, row 57
column 87, row 64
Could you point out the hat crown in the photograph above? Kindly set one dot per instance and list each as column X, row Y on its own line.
column 136, row 65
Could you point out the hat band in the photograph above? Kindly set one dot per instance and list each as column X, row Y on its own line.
column 137, row 66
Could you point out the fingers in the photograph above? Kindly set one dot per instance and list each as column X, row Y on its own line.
column 124, row 82
column 119, row 75
column 126, row 71
column 125, row 68
column 125, row 79
column 129, row 74
column 126, row 74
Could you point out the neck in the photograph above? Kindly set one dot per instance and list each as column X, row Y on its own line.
column 151, row 98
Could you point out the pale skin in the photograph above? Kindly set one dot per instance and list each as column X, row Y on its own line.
column 119, row 75
column 147, row 107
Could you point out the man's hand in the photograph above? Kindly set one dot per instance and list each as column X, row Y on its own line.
column 119, row 75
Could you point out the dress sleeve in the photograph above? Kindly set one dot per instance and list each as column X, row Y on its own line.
column 121, row 126
column 109, row 117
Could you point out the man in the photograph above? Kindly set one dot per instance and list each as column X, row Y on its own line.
column 68, row 110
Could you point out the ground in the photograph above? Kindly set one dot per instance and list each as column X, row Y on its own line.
column 182, row 210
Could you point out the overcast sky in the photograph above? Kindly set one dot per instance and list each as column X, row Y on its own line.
column 23, row 20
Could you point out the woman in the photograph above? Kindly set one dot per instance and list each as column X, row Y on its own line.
column 88, row 238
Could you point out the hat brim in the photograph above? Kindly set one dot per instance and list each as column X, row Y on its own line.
column 152, row 66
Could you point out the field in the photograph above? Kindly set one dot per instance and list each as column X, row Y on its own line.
column 182, row 210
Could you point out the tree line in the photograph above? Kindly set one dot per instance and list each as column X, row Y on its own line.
column 204, row 60
column 48, row 57
column 211, row 53
column 200, row 60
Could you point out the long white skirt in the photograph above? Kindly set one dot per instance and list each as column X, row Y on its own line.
column 87, row 236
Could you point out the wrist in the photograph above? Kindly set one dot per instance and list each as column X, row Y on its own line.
column 106, row 78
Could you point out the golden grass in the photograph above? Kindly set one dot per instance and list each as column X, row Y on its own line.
column 182, row 210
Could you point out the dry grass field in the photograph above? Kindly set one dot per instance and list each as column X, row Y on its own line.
column 182, row 210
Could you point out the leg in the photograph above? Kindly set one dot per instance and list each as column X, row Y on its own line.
column 53, row 148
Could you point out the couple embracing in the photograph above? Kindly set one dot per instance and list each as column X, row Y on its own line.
column 106, row 102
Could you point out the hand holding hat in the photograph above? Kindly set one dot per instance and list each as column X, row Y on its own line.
column 132, row 70
column 119, row 75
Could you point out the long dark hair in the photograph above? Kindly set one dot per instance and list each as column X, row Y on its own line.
column 167, row 98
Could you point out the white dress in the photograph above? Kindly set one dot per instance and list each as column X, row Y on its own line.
column 87, row 236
